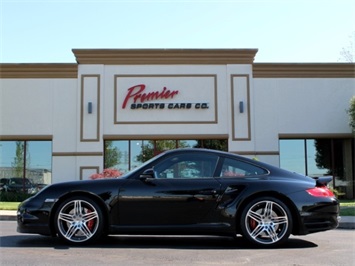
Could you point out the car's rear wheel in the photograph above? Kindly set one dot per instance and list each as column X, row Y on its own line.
column 266, row 222
column 79, row 220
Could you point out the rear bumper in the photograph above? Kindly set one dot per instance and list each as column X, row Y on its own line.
column 318, row 223
column 319, row 218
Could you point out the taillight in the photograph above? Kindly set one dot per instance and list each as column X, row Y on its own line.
column 320, row 192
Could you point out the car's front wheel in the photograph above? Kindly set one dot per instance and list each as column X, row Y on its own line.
column 79, row 220
column 266, row 222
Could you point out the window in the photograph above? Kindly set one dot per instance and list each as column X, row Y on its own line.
column 125, row 155
column 319, row 157
column 235, row 168
column 27, row 159
column 306, row 156
column 187, row 166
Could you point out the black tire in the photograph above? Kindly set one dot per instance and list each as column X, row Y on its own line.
column 79, row 220
column 266, row 222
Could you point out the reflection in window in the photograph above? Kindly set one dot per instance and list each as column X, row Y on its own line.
column 117, row 155
column 183, row 166
column 164, row 145
column 292, row 155
column 30, row 159
column 125, row 155
column 306, row 156
column 318, row 157
column 235, row 168
column 187, row 143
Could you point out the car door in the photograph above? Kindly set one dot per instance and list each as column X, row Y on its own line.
column 181, row 192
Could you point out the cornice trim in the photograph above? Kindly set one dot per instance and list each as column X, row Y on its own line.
column 26, row 137
column 156, row 137
column 40, row 70
column 75, row 154
column 315, row 136
column 255, row 153
column 164, row 56
column 303, row 70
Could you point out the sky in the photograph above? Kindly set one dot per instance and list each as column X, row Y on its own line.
column 34, row 31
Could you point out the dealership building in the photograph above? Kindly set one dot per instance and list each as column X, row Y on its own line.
column 116, row 108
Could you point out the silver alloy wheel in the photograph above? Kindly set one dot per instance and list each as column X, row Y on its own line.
column 78, row 221
column 266, row 222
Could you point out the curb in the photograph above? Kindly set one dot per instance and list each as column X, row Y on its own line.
column 346, row 222
column 8, row 215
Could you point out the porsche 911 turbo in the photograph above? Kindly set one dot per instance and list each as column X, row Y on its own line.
column 186, row 192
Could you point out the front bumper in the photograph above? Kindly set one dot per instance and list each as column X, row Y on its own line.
column 33, row 220
column 31, row 224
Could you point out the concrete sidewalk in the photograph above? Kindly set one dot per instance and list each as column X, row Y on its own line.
column 346, row 222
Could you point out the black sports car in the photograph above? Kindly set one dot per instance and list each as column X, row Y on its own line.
column 186, row 192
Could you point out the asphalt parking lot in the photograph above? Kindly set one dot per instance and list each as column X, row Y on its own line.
column 335, row 247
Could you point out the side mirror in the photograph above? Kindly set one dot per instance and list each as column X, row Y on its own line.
column 149, row 173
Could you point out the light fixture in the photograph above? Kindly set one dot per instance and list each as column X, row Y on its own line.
column 90, row 107
column 241, row 107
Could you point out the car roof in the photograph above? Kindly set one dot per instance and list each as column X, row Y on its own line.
column 267, row 166
column 217, row 152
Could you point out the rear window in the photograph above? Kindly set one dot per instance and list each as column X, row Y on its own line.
column 236, row 168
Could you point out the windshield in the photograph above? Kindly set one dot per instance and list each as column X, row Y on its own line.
column 18, row 181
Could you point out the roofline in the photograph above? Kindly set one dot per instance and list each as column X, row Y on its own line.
column 164, row 56
column 303, row 70
column 39, row 70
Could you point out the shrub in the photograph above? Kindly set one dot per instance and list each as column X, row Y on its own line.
column 13, row 196
column 107, row 173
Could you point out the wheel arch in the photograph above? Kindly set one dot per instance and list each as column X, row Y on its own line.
column 274, row 194
column 87, row 194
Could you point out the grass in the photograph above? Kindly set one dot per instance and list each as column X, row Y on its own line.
column 8, row 206
column 347, row 207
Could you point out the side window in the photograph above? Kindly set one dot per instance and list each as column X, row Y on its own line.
column 194, row 165
column 235, row 168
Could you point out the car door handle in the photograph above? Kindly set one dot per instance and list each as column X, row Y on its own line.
column 208, row 192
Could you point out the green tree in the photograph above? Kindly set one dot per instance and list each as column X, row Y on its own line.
column 153, row 147
column 351, row 112
column 348, row 53
column 112, row 154
column 19, row 159
column 324, row 159
column 214, row 144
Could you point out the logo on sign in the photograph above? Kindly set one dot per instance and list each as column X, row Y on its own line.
column 137, row 98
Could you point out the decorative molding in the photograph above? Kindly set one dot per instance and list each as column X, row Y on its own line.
column 233, row 92
column 74, row 154
column 26, row 137
column 315, row 136
column 82, row 109
column 83, row 168
column 143, row 122
column 164, row 56
column 304, row 70
column 255, row 153
column 165, row 136
column 38, row 71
